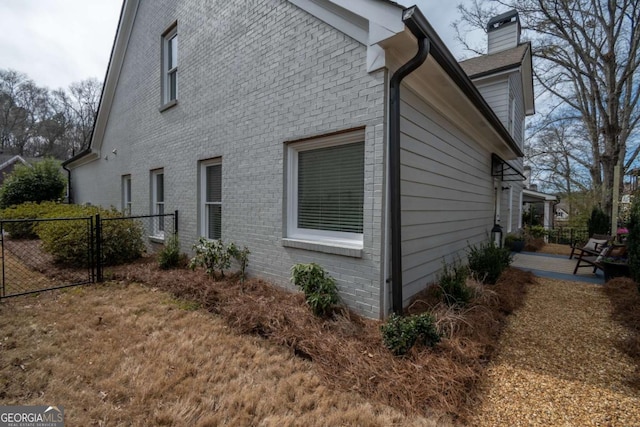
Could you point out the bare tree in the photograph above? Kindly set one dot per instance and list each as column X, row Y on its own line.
column 588, row 59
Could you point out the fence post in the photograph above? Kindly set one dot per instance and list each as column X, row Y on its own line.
column 98, row 249
column 175, row 222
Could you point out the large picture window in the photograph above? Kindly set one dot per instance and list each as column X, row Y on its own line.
column 211, row 199
column 326, row 188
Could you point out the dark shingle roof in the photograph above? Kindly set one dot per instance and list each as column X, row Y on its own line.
column 488, row 64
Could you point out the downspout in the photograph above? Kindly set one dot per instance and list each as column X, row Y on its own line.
column 415, row 21
column 69, row 196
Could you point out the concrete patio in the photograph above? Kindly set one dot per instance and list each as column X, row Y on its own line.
column 556, row 267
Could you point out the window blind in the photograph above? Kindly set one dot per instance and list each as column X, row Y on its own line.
column 213, row 202
column 331, row 188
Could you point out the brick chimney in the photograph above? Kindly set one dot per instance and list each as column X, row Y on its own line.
column 503, row 31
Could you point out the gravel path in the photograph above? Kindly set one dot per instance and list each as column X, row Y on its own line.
column 559, row 365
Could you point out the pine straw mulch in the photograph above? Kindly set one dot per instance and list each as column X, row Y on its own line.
column 346, row 349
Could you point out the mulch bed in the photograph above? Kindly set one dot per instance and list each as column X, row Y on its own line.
column 347, row 349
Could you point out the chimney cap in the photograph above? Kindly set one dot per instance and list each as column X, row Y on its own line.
column 503, row 19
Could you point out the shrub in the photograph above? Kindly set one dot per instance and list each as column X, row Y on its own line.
column 399, row 333
column 68, row 240
column 487, row 261
column 319, row 288
column 453, row 283
column 170, row 257
column 41, row 182
column 599, row 222
column 633, row 240
column 214, row 255
column 23, row 229
column 242, row 257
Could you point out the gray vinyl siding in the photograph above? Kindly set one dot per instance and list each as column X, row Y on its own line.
column 447, row 192
column 504, row 38
column 249, row 79
column 496, row 93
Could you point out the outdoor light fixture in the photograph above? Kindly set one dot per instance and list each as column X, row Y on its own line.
column 496, row 235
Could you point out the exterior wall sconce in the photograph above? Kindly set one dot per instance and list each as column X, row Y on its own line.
column 496, row 235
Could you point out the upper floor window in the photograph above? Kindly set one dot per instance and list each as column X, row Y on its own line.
column 170, row 65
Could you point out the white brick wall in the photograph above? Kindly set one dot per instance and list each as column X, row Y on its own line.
column 251, row 76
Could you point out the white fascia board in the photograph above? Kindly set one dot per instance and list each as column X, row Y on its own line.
column 113, row 72
column 367, row 21
column 87, row 158
column 14, row 159
column 538, row 195
column 527, row 83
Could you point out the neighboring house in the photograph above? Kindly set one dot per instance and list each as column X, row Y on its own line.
column 561, row 213
column 8, row 163
column 276, row 126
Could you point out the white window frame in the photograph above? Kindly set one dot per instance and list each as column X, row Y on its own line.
column 126, row 195
column 353, row 240
column 204, row 224
column 171, row 35
column 158, row 207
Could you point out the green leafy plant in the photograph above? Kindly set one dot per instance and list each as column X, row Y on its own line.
column 41, row 182
column 633, row 240
column 212, row 255
column 399, row 333
column 170, row 257
column 242, row 258
column 453, row 283
column 68, row 240
column 319, row 288
column 487, row 261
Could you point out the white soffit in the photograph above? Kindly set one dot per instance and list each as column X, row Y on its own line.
column 367, row 21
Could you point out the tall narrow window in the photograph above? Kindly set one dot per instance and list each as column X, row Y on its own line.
column 211, row 199
column 326, row 188
column 126, row 194
column 157, row 192
column 170, row 65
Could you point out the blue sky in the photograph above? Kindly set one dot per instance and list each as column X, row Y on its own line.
column 57, row 42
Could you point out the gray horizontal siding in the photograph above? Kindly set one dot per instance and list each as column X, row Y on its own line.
column 496, row 93
column 447, row 192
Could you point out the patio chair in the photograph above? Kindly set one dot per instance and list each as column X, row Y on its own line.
column 594, row 245
column 589, row 258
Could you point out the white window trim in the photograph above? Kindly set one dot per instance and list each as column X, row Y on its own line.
column 349, row 240
column 155, row 203
column 171, row 33
column 126, row 195
column 203, row 194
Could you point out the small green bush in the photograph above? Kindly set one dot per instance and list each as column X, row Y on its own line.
column 453, row 282
column 170, row 257
column 319, row 288
column 242, row 257
column 23, row 229
column 399, row 333
column 41, row 182
column 487, row 261
column 68, row 240
column 633, row 240
column 214, row 256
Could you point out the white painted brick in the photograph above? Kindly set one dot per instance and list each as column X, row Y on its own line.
column 250, row 78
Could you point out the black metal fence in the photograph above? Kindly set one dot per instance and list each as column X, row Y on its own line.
column 567, row 235
column 27, row 265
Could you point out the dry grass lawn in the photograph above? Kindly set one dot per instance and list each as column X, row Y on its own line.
column 118, row 354
column 555, row 249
